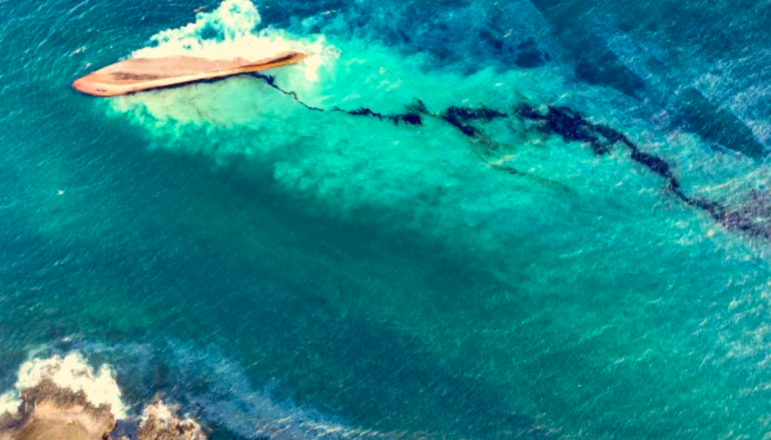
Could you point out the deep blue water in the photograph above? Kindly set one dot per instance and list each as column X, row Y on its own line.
column 573, row 242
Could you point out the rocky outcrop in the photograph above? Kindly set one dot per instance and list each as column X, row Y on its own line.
column 48, row 411
column 161, row 422
column 63, row 398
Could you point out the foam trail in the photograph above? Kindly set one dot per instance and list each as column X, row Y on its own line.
column 9, row 403
column 229, row 32
column 231, row 400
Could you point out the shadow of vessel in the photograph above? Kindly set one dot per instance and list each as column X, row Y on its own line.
column 138, row 74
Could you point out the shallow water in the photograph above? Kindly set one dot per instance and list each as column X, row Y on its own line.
column 294, row 266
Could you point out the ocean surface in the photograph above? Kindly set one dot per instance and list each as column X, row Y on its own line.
column 457, row 219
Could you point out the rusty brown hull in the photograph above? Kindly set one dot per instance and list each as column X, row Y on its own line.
column 137, row 74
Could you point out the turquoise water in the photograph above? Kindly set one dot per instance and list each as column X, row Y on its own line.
column 293, row 268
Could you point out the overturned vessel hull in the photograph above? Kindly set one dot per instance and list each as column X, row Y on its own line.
column 138, row 74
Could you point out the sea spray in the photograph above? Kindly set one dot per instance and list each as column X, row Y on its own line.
column 230, row 31
column 73, row 373
column 61, row 397
column 9, row 403
column 160, row 421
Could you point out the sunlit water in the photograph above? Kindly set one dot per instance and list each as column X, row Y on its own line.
column 287, row 264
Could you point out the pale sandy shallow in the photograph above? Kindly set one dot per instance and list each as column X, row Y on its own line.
column 137, row 74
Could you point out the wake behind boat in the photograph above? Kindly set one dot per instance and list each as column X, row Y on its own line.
column 138, row 74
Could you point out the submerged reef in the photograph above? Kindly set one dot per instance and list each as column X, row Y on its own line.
column 63, row 398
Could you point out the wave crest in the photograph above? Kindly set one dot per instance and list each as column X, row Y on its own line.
column 70, row 372
column 228, row 32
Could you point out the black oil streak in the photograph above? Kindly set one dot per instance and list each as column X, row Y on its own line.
column 572, row 127
column 459, row 117
column 271, row 81
column 410, row 118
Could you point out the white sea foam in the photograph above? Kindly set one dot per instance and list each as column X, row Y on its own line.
column 68, row 372
column 230, row 31
column 9, row 403
column 159, row 410
column 166, row 416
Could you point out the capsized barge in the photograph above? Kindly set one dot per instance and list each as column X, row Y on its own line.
column 138, row 74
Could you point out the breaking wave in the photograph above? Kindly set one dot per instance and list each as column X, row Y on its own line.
column 70, row 372
column 230, row 32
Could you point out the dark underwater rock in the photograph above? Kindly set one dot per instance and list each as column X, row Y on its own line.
column 718, row 125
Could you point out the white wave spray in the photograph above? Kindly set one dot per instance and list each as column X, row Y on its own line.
column 70, row 372
column 230, row 31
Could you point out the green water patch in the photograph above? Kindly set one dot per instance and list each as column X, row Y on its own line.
column 598, row 302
